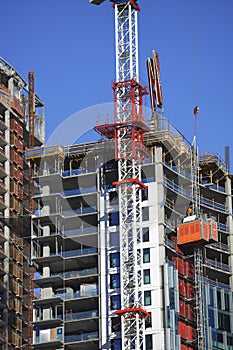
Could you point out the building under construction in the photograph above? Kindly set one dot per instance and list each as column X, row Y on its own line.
column 130, row 235
column 16, row 135
column 76, row 247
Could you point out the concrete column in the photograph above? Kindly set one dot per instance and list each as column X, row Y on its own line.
column 46, row 231
column 11, row 85
column 45, row 190
column 45, row 210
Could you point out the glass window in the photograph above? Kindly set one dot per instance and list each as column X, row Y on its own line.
column 172, row 298
column 114, row 219
column 145, row 194
column 115, row 281
column 116, row 324
column 219, row 304
column 148, row 321
column 220, row 340
column 145, row 213
column 115, row 302
column 224, row 321
column 145, row 234
column 59, row 333
column 211, row 317
column 211, row 296
column 146, row 276
column 230, row 341
column 146, row 255
column 116, row 344
column 149, row 344
column 147, row 297
column 37, row 332
column 115, row 260
column 113, row 196
column 227, row 303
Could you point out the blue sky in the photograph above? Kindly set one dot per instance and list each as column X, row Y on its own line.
column 70, row 46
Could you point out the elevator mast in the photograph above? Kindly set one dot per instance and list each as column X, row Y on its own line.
column 128, row 130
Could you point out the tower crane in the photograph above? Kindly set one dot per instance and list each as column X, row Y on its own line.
column 128, row 130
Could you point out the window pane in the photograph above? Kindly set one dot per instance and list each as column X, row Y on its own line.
column 146, row 255
column 115, row 260
column 149, row 345
column 114, row 219
column 116, row 344
column 113, row 196
column 145, row 234
column 148, row 321
column 115, row 302
column 147, row 298
column 146, row 276
column 145, row 194
column 115, row 281
column 145, row 213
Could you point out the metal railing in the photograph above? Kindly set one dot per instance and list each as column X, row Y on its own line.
column 81, row 337
column 213, row 158
column 81, row 315
column 217, row 264
column 211, row 203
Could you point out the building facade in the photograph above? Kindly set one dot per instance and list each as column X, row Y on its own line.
column 15, row 322
column 75, row 247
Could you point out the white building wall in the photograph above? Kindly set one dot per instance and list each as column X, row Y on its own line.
column 155, row 286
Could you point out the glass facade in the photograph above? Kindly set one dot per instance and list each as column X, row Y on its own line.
column 171, row 296
column 218, row 316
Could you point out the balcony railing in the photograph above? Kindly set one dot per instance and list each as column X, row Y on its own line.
column 223, row 227
column 69, row 253
column 78, row 294
column 68, row 213
column 81, row 337
column 211, row 203
column 81, row 231
column 221, row 246
column 78, row 252
column 79, row 171
column 74, row 316
column 79, row 211
column 72, row 274
column 217, row 265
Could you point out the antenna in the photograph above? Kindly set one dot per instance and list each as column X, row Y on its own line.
column 195, row 168
column 227, row 158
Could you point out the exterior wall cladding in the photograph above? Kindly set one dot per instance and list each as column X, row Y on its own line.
column 76, row 247
column 14, row 202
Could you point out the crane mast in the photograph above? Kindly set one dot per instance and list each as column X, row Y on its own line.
column 128, row 131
